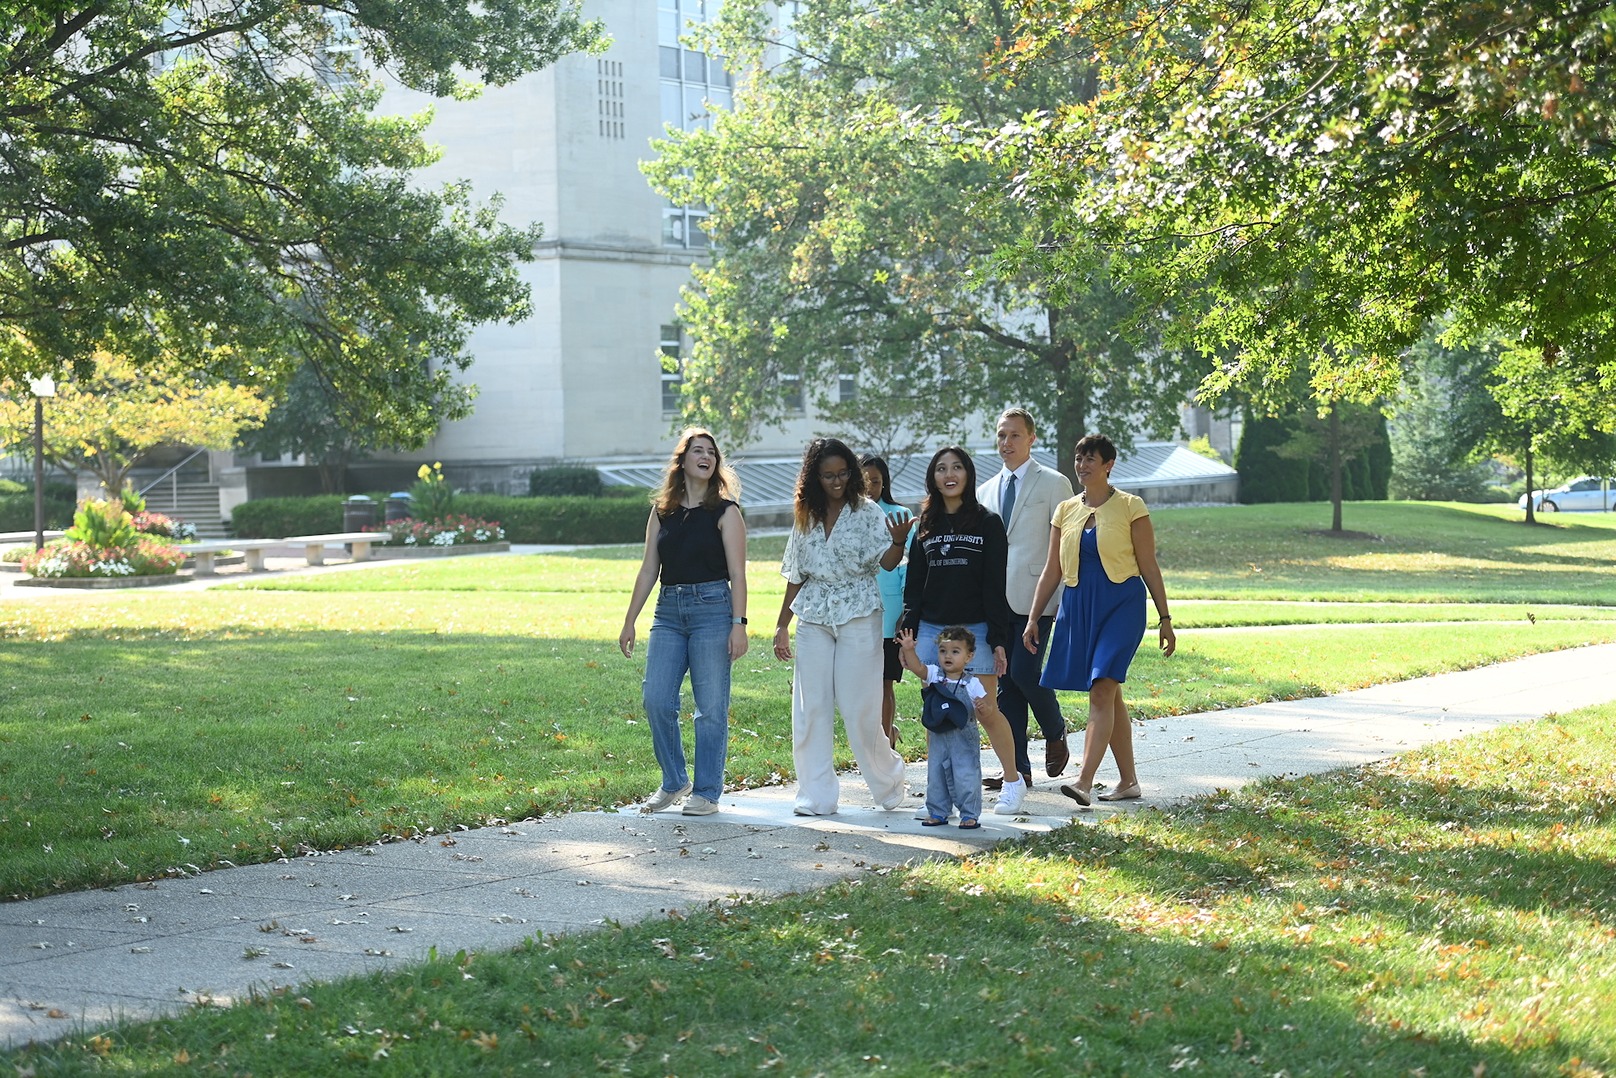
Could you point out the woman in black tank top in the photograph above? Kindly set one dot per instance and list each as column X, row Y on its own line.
column 695, row 546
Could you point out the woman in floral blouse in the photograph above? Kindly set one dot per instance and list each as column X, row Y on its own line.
column 838, row 541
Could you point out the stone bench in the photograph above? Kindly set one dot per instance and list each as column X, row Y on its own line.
column 204, row 552
column 314, row 545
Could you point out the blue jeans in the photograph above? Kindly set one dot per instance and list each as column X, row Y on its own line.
column 1019, row 689
column 690, row 631
column 954, row 772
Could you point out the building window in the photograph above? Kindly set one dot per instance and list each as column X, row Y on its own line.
column 791, row 393
column 609, row 97
column 847, row 387
column 673, row 369
column 337, row 62
column 693, row 84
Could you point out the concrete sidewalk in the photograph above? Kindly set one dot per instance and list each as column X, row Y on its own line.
column 78, row 961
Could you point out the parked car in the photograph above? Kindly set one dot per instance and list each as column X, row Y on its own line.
column 1585, row 493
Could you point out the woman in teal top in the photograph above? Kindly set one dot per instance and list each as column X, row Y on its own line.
column 878, row 487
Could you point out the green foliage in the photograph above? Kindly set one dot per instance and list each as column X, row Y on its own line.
column 561, row 520
column 1314, row 190
column 525, row 520
column 564, row 480
column 11, row 486
column 1201, row 445
column 276, row 518
column 431, row 496
column 103, row 525
column 315, row 420
column 17, row 510
column 1445, row 416
column 1265, row 476
column 858, row 233
column 116, row 413
column 210, row 187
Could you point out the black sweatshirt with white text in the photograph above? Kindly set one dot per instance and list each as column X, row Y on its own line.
column 956, row 577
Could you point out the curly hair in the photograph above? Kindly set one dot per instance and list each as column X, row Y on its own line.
column 961, row 634
column 932, row 510
column 810, row 505
column 724, row 483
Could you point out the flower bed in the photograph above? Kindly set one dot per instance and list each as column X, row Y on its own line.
column 443, row 532
column 75, row 559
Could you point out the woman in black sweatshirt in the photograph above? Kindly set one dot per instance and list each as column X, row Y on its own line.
column 956, row 577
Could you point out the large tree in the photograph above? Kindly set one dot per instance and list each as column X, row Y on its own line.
column 312, row 421
column 207, row 184
column 856, row 231
column 110, row 422
column 1314, row 184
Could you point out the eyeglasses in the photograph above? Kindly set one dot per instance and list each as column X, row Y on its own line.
column 835, row 477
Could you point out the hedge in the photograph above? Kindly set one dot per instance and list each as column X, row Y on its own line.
column 17, row 509
column 526, row 520
column 561, row 520
column 276, row 518
column 1265, row 476
column 564, row 481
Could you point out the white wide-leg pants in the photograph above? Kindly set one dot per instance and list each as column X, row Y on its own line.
column 839, row 669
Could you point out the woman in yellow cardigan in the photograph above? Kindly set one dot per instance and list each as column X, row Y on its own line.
column 1103, row 548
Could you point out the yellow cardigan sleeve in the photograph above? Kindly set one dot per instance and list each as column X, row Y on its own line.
column 1114, row 521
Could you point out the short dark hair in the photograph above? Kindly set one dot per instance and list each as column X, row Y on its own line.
column 960, row 633
column 1098, row 444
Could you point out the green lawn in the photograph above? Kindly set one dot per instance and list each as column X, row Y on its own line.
column 1422, row 914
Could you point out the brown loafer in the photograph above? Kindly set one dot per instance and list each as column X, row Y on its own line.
column 992, row 783
column 1056, row 755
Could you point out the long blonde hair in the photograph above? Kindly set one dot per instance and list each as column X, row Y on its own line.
column 724, row 483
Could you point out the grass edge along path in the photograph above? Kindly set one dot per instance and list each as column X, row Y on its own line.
column 149, row 768
column 1450, row 910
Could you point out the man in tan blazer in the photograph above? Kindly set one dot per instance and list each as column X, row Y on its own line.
column 1036, row 492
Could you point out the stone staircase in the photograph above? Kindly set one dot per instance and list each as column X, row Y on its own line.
column 193, row 501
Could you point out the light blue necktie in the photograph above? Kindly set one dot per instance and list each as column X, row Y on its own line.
column 1008, row 502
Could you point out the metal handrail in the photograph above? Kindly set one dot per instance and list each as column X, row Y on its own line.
column 171, row 474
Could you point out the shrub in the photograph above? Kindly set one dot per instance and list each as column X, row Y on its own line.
column 163, row 526
column 562, row 520
column 74, row 559
column 1265, row 476
column 525, row 520
column 17, row 507
column 11, row 486
column 431, row 498
column 565, row 480
column 103, row 525
column 276, row 518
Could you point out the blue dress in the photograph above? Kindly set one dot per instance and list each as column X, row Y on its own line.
column 1098, row 627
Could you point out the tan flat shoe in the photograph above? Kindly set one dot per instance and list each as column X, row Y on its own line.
column 1129, row 792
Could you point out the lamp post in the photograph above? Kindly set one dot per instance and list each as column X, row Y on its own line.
column 41, row 388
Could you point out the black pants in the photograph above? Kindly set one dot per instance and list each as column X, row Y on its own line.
column 1019, row 690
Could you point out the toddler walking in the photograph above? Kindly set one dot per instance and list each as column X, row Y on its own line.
column 953, row 756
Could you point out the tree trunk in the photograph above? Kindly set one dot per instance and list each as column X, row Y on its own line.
column 1071, row 403
column 1531, row 509
column 1335, row 469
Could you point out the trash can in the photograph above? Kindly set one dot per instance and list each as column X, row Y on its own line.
column 358, row 514
column 398, row 506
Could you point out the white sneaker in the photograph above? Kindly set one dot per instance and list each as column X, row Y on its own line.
column 1010, row 798
column 663, row 798
column 700, row 806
